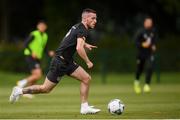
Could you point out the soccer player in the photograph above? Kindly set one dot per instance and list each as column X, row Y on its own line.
column 145, row 43
column 63, row 63
column 35, row 46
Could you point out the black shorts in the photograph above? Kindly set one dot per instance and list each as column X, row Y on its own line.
column 60, row 67
column 32, row 63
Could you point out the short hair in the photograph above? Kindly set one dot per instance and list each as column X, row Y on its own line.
column 42, row 21
column 88, row 10
column 148, row 17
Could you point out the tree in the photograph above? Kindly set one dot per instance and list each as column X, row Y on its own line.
column 4, row 21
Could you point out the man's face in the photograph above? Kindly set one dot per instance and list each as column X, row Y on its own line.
column 148, row 23
column 91, row 20
column 42, row 27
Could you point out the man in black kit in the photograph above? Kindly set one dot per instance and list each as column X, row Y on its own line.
column 145, row 43
column 63, row 63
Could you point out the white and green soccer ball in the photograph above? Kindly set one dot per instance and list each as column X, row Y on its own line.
column 116, row 106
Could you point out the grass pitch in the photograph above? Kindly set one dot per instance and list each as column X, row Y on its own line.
column 64, row 102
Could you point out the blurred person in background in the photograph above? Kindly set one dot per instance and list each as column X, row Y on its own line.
column 145, row 43
column 35, row 46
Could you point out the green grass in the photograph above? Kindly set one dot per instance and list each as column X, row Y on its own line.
column 63, row 102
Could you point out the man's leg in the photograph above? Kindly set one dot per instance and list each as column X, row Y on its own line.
column 36, row 72
column 35, row 75
column 81, row 75
column 46, row 87
column 140, row 67
column 84, row 77
column 150, row 67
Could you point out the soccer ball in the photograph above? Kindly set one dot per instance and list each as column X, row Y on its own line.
column 116, row 106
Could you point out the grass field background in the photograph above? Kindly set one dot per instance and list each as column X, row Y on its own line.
column 63, row 102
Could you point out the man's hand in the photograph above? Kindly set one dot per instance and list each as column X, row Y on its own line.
column 89, row 64
column 51, row 53
column 147, row 43
column 89, row 47
column 34, row 56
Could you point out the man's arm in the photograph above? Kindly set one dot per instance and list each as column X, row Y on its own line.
column 28, row 41
column 89, row 47
column 82, row 53
column 137, row 38
column 48, row 52
column 26, row 45
column 154, row 41
column 147, row 43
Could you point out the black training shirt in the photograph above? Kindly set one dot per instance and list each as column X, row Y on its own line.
column 141, row 36
column 67, row 46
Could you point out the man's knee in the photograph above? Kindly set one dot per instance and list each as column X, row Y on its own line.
column 37, row 75
column 87, row 79
column 45, row 89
